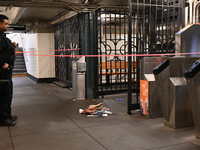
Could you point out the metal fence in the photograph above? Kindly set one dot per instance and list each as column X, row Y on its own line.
column 66, row 43
column 153, row 27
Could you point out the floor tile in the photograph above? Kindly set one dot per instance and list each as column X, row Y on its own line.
column 182, row 146
column 6, row 144
column 138, row 135
column 4, row 132
column 42, row 122
column 75, row 139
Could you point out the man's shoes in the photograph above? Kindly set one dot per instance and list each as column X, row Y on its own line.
column 8, row 122
column 13, row 118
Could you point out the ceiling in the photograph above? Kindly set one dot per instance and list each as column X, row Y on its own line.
column 30, row 12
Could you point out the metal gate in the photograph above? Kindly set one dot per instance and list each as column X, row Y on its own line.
column 66, row 43
column 112, row 47
column 153, row 27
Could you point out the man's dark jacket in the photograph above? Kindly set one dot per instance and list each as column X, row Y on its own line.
column 7, row 55
column 7, row 51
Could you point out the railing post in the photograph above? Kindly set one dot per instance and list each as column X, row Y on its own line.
column 130, row 57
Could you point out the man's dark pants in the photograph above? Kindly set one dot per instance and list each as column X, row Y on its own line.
column 6, row 93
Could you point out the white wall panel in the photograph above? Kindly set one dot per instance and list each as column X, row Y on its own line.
column 34, row 45
column 46, row 62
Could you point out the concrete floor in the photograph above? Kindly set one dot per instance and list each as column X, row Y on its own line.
column 48, row 119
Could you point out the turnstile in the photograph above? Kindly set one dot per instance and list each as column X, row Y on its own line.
column 149, row 101
column 172, row 91
column 192, row 76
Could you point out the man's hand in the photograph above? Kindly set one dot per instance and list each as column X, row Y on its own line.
column 15, row 44
column 5, row 66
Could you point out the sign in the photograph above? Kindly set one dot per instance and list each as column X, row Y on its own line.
column 144, row 97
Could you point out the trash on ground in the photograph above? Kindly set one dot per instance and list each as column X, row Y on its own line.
column 119, row 99
column 103, row 115
column 96, row 111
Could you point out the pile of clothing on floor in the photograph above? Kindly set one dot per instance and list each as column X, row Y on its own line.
column 96, row 111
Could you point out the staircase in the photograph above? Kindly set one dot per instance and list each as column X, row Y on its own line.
column 19, row 66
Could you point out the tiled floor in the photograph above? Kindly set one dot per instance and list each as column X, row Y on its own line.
column 48, row 119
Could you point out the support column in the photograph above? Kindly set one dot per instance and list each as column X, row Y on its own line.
column 88, row 45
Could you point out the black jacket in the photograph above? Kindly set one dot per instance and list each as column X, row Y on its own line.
column 7, row 51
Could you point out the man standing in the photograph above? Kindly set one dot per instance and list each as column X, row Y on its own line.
column 7, row 58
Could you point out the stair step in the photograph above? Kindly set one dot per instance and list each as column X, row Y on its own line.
column 19, row 49
column 21, row 55
column 19, row 59
column 21, row 69
column 20, row 72
column 18, row 63
column 19, row 75
column 19, row 66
